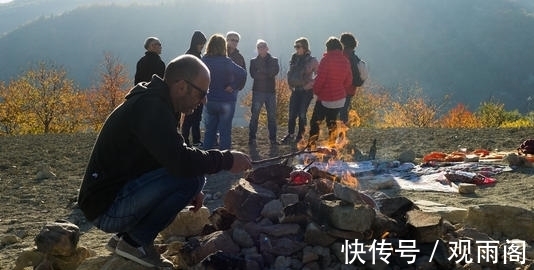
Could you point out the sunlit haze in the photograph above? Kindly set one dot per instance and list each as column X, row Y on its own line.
column 5, row 1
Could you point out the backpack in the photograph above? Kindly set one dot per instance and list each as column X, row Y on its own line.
column 526, row 147
column 297, row 71
column 359, row 71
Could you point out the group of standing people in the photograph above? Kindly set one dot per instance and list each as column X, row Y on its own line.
column 228, row 76
column 141, row 173
column 333, row 81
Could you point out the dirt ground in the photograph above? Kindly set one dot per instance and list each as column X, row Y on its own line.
column 28, row 203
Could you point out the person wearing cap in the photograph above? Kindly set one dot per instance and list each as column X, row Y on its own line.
column 191, row 123
column 150, row 63
column 263, row 69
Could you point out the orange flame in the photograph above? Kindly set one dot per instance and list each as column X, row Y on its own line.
column 337, row 140
column 348, row 180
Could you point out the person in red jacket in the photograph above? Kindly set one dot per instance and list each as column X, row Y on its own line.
column 334, row 78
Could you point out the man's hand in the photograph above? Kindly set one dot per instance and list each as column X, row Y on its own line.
column 197, row 202
column 242, row 162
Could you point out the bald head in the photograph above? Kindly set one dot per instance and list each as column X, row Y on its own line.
column 188, row 79
column 185, row 67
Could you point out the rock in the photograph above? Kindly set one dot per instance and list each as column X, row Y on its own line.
column 452, row 214
column 289, row 198
column 314, row 235
column 44, row 261
column 351, row 217
column 246, row 200
column 407, row 156
column 187, row 223
column 58, row 238
column 203, row 246
column 44, row 172
column 221, row 218
column 242, row 238
column 466, row 188
column 8, row 239
column 278, row 230
column 502, row 220
column 427, row 225
column 272, row 210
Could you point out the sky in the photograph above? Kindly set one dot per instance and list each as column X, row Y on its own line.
column 5, row 1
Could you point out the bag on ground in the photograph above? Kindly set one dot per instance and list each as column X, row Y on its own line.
column 526, row 147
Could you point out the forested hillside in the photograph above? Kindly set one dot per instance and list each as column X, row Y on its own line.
column 473, row 50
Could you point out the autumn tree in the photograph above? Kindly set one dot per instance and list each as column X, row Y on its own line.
column 113, row 84
column 42, row 100
column 491, row 113
column 459, row 117
column 367, row 104
column 410, row 108
column 11, row 104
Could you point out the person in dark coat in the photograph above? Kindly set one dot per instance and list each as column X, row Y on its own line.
column 232, row 39
column 150, row 63
column 192, row 121
column 141, row 174
column 263, row 69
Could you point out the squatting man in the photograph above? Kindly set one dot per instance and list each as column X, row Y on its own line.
column 141, row 173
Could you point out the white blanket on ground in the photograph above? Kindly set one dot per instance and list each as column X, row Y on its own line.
column 406, row 176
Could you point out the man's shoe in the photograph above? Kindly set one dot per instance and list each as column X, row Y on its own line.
column 147, row 256
column 274, row 142
column 287, row 139
column 112, row 243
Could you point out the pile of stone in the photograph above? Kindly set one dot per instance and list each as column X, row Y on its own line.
column 268, row 222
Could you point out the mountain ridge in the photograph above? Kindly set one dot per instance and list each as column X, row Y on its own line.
column 473, row 50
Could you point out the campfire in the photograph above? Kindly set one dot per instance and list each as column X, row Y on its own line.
column 282, row 216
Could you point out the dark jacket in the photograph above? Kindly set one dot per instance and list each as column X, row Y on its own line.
column 310, row 68
column 239, row 60
column 197, row 39
column 263, row 70
column 140, row 136
column 147, row 66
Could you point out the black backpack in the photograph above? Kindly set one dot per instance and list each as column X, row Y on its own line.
column 359, row 70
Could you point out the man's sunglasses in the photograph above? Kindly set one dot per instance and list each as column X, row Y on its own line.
column 202, row 92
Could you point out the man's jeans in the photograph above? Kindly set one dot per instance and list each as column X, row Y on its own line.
column 219, row 116
column 258, row 99
column 148, row 204
column 299, row 101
